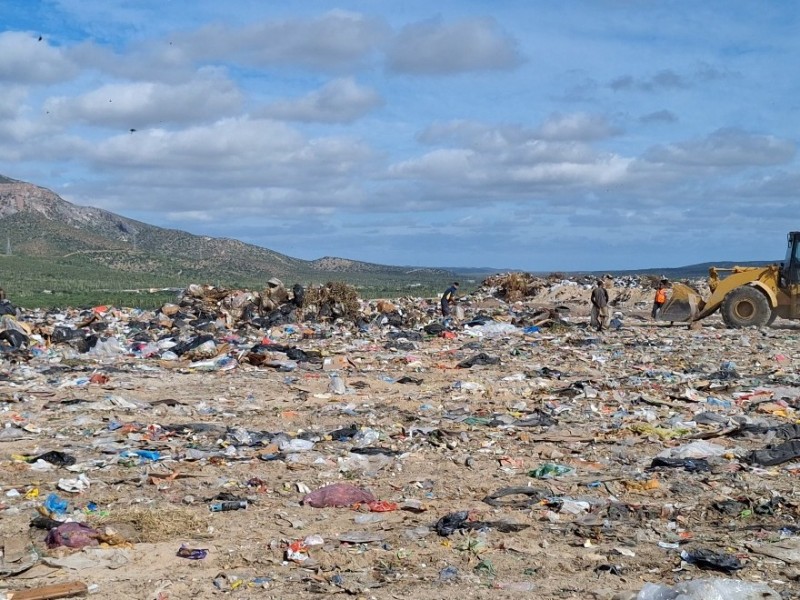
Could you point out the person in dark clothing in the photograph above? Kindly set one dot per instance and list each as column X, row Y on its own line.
column 448, row 298
column 599, row 319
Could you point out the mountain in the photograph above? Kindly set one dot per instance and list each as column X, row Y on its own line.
column 35, row 222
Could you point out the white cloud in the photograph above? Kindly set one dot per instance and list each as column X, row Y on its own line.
column 233, row 123
column 728, row 147
column 230, row 164
column 605, row 170
column 338, row 101
column 147, row 60
column 451, row 164
column 11, row 101
column 332, row 41
column 25, row 59
column 565, row 128
column 435, row 48
column 577, row 126
column 498, row 162
column 143, row 104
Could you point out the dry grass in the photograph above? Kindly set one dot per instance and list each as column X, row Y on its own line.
column 156, row 524
column 514, row 286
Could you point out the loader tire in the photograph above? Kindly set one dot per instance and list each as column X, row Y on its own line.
column 745, row 306
column 772, row 317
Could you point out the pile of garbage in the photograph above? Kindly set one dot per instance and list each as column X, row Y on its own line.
column 512, row 287
column 371, row 448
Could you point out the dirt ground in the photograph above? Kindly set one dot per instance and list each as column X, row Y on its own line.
column 603, row 405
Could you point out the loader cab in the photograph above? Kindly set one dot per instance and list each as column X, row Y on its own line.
column 790, row 269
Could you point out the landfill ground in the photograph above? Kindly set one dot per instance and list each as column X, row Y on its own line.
column 549, row 450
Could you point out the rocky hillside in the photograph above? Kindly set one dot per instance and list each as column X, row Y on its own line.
column 36, row 222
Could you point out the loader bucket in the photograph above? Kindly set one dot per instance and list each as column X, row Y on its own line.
column 683, row 304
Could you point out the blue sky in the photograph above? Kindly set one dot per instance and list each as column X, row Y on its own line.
column 524, row 134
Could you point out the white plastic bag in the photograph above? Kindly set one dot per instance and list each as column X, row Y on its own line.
column 708, row 589
column 698, row 449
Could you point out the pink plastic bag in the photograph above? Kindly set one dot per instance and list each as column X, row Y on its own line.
column 338, row 494
column 72, row 535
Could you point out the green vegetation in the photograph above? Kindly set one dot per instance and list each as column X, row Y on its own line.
column 82, row 280
column 57, row 254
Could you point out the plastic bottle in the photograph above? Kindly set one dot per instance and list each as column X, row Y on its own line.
column 228, row 505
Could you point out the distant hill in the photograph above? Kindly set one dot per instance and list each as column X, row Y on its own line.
column 35, row 222
column 699, row 270
column 53, row 252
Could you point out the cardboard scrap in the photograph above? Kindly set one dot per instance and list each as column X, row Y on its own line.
column 50, row 592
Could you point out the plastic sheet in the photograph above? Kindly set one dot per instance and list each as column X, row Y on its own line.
column 708, row 589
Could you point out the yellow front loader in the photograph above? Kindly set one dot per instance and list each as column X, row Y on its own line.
column 748, row 297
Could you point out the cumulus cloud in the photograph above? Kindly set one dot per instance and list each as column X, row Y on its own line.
column 232, row 169
column 499, row 176
column 11, row 101
column 475, row 135
column 436, row 48
column 727, row 147
column 332, row 41
column 233, row 152
column 225, row 139
column 573, row 127
column 446, row 164
column 143, row 104
column 26, row 60
column 495, row 161
column 146, row 60
column 338, row 101
column 18, row 139
column 577, row 126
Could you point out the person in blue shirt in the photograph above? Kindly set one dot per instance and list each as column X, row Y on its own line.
column 448, row 298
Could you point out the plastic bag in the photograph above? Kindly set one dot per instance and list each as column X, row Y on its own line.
column 107, row 348
column 338, row 494
column 698, row 449
column 708, row 589
column 493, row 329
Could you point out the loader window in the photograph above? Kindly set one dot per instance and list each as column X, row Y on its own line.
column 792, row 264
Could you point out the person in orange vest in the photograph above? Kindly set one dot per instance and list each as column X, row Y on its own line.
column 660, row 299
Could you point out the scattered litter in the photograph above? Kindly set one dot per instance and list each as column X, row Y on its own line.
column 487, row 451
